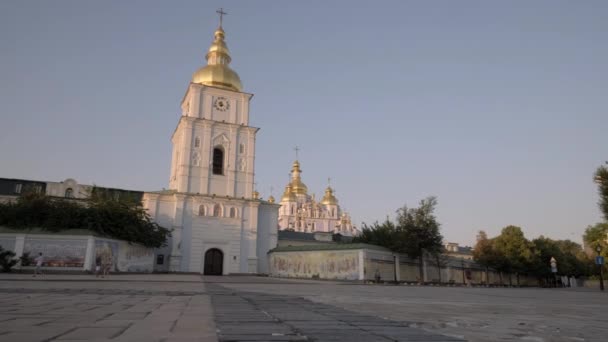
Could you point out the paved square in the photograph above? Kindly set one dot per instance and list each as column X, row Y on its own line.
column 172, row 308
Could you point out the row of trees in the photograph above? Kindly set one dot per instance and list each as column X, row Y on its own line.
column 122, row 219
column 416, row 232
column 510, row 252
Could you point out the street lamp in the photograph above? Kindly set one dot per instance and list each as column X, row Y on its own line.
column 599, row 263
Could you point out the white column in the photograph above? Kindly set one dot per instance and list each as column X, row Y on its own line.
column 361, row 264
column 175, row 258
column 89, row 256
column 397, row 268
column 19, row 245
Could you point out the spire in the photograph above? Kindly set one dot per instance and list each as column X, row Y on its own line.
column 297, row 186
column 217, row 73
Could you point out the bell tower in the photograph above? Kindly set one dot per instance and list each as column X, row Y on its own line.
column 213, row 144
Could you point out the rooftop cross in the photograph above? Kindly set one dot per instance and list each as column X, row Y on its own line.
column 222, row 14
column 328, row 181
column 297, row 149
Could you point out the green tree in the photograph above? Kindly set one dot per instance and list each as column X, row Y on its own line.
column 415, row 233
column 601, row 178
column 484, row 253
column 596, row 235
column 515, row 251
column 378, row 234
column 119, row 219
column 418, row 231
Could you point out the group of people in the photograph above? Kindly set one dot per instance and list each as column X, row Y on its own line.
column 103, row 265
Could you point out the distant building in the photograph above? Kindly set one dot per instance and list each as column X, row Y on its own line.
column 12, row 188
column 454, row 250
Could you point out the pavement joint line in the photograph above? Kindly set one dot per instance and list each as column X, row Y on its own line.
column 59, row 335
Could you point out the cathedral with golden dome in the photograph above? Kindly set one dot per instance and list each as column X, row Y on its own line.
column 301, row 212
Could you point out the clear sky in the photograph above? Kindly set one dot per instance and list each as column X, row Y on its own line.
column 497, row 108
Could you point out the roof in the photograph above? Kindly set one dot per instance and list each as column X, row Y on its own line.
column 292, row 235
column 329, row 247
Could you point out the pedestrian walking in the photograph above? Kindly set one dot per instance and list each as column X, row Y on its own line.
column 97, row 267
column 39, row 262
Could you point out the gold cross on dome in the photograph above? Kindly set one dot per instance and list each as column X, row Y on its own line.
column 222, row 14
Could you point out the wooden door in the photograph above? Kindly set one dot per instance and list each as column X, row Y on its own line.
column 214, row 261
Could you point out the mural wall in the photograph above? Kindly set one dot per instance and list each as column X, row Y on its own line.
column 106, row 254
column 321, row 264
column 7, row 244
column 135, row 258
column 57, row 252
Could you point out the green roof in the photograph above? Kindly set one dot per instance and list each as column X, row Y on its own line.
column 328, row 247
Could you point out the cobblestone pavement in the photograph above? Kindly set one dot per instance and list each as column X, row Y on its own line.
column 81, row 308
column 184, row 308
column 476, row 314
column 246, row 316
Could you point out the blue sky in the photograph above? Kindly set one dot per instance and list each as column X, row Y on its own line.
column 496, row 108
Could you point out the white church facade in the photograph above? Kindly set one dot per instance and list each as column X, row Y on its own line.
column 219, row 223
column 301, row 212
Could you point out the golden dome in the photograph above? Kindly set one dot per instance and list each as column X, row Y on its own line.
column 297, row 186
column 217, row 73
column 329, row 198
column 288, row 195
column 271, row 199
column 256, row 195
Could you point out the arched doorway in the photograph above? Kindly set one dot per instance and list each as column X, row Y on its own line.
column 214, row 261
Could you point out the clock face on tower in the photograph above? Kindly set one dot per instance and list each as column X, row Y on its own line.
column 221, row 104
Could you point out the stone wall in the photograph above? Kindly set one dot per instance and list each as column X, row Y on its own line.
column 342, row 265
column 350, row 263
column 78, row 251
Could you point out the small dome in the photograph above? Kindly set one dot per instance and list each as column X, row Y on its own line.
column 271, row 199
column 329, row 198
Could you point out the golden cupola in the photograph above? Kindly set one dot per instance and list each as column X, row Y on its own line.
column 217, row 73
column 329, row 198
column 288, row 195
column 297, row 186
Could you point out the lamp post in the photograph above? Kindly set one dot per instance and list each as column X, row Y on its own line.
column 599, row 261
column 554, row 269
column 464, row 282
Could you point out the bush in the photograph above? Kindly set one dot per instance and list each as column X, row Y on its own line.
column 7, row 260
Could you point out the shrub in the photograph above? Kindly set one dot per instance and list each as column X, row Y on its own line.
column 7, row 260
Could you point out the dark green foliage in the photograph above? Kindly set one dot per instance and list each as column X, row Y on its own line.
column 416, row 232
column 119, row 219
column 25, row 259
column 7, row 260
column 512, row 252
column 418, row 229
column 601, row 178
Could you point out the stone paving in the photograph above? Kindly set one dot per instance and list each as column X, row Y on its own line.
column 184, row 308
column 87, row 309
column 171, row 308
column 245, row 316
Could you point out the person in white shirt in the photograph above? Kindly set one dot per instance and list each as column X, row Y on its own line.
column 39, row 261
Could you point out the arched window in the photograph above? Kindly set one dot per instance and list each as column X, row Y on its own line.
column 69, row 193
column 217, row 210
column 233, row 212
column 292, row 210
column 218, row 161
column 202, row 210
column 197, row 142
column 241, row 148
